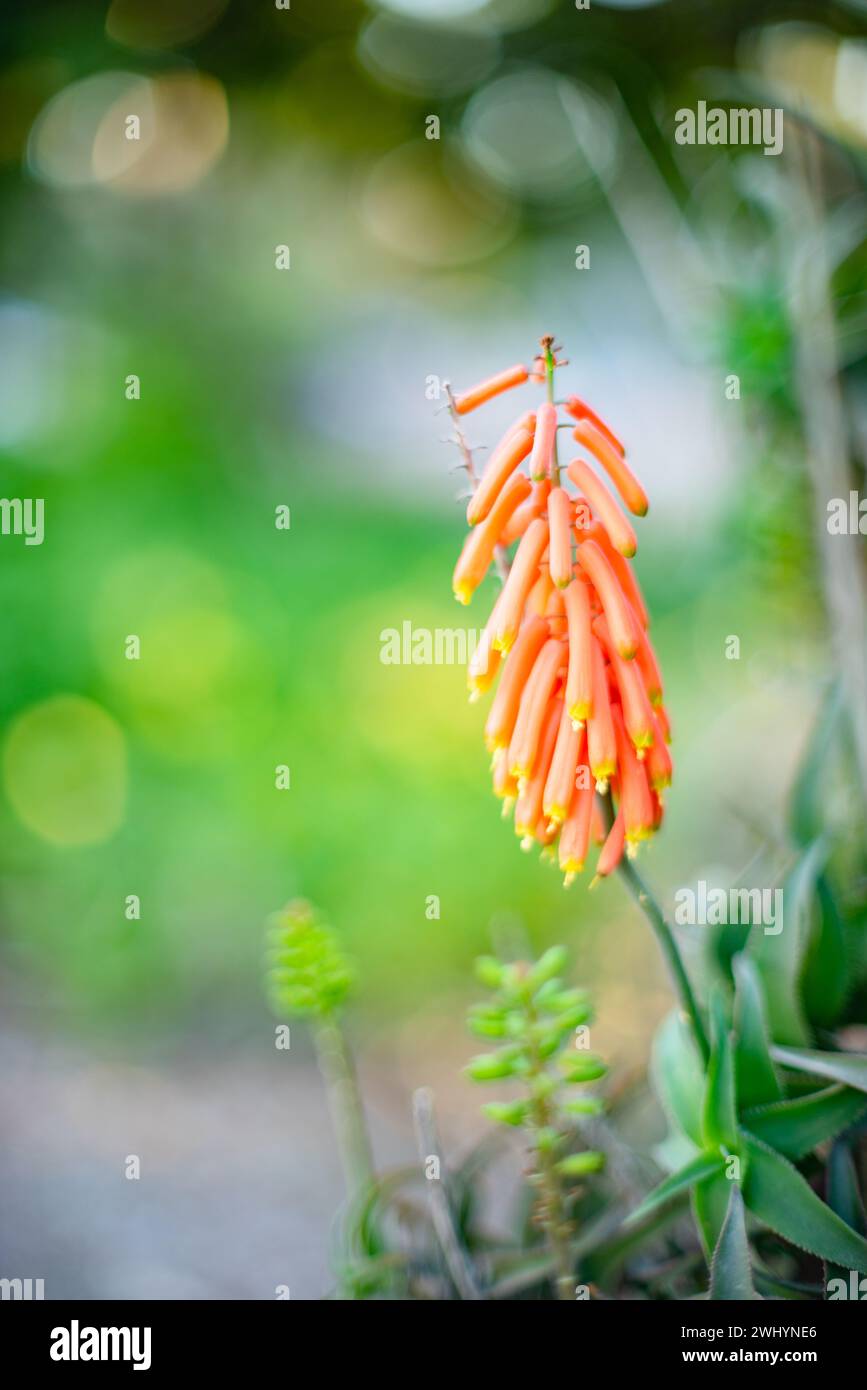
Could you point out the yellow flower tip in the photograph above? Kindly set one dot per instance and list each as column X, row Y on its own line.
column 521, row 776
column 504, row 642
column 602, row 785
column 568, row 879
column 548, row 853
column 656, row 698
column 527, row 843
column 640, row 753
column 631, row 849
column 594, row 882
column 508, row 805
column 572, row 867
column 474, row 696
column 463, row 593
column 577, row 725
column 629, row 551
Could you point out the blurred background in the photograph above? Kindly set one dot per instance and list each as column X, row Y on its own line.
column 309, row 387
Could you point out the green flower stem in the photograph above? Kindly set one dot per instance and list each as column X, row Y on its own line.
column 554, row 1220
column 653, row 912
column 344, row 1098
column 549, row 381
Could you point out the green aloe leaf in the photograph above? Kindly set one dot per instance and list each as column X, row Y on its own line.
column 730, row 1271
column 757, row 1080
column 776, row 1193
column 702, row 1166
column 719, row 1115
column 710, row 1202
column 848, row 1068
column 678, row 1076
column 826, row 968
column 780, row 956
column 794, row 1127
column 808, row 795
column 845, row 1199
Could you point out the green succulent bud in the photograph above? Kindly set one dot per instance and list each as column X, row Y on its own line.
column 494, row 1066
column 551, row 963
column 585, row 1105
column 577, row 1165
column 549, row 990
column 560, row 1001
column 582, row 1066
column 307, row 972
column 507, row 1112
column 487, row 1022
column 489, row 971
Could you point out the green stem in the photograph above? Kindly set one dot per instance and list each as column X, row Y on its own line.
column 335, row 1061
column 653, row 912
column 664, row 935
column 549, row 381
column 554, row 1220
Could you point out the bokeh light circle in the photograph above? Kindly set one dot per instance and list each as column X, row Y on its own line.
column 65, row 771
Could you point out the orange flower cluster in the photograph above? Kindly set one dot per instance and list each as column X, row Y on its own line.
column 578, row 709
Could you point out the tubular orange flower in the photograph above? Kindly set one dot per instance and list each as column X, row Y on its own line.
column 529, row 806
column 483, row 666
column 659, row 765
column 534, row 506
column 537, row 599
column 505, row 785
column 615, row 466
column 575, row 835
column 601, row 747
column 560, row 783
column 524, row 743
column 612, row 851
column 580, row 410
column 579, row 689
column 506, row 617
column 579, row 679
column 621, row 567
column 637, row 711
column 492, row 386
column 621, row 619
column 483, row 540
column 560, row 542
column 512, row 449
column 604, row 507
column 645, row 660
column 597, row 824
column 635, row 799
column 543, row 442
column 504, row 710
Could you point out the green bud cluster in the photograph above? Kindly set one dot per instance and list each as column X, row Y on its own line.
column 307, row 972
column 532, row 1014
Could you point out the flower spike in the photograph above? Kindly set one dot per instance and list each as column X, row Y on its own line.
column 578, row 705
